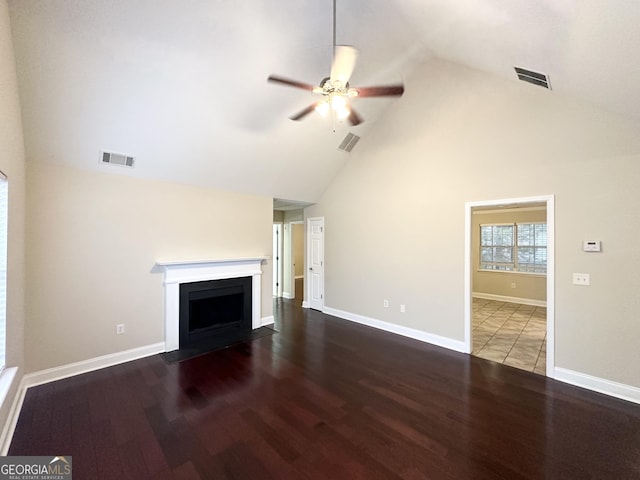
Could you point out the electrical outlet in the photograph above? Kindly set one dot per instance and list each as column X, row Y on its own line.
column 581, row 279
column 120, row 329
column 385, row 303
column 402, row 309
column 513, row 285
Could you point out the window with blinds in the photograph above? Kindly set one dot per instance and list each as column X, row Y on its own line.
column 514, row 247
column 4, row 197
column 497, row 244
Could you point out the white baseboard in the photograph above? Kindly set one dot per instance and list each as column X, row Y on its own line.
column 305, row 304
column 298, row 277
column 600, row 385
column 608, row 387
column 503, row 298
column 287, row 295
column 58, row 373
column 264, row 321
column 84, row 366
column 445, row 342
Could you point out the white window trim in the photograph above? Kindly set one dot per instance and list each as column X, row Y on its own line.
column 6, row 380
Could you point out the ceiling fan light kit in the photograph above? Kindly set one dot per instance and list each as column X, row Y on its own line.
column 335, row 103
column 335, row 88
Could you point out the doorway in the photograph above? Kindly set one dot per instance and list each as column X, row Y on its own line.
column 521, row 319
column 297, row 259
column 277, row 259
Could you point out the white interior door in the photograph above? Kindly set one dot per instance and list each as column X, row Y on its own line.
column 315, row 257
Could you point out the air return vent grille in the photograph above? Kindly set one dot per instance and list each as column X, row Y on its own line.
column 117, row 159
column 349, row 142
column 533, row 77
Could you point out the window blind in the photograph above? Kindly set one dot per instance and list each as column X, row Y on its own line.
column 520, row 247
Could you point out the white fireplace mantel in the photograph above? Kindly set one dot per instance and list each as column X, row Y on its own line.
column 177, row 272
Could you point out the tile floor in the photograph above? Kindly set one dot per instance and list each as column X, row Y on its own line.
column 510, row 333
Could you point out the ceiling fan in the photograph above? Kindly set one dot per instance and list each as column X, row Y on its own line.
column 335, row 89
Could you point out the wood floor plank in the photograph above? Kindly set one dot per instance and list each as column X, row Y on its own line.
column 186, row 471
column 279, row 441
column 108, row 461
column 273, row 462
column 326, row 398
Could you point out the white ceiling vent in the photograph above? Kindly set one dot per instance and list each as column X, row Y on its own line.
column 117, row 159
column 349, row 142
column 533, row 77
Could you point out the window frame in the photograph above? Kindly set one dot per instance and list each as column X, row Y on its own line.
column 514, row 250
column 494, row 245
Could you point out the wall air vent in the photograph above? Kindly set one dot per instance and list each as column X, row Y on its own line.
column 349, row 142
column 117, row 159
column 535, row 78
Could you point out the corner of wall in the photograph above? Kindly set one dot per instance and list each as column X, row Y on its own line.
column 12, row 164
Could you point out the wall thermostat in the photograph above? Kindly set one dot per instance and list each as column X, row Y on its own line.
column 591, row 245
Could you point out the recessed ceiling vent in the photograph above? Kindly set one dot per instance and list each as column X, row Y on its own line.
column 349, row 142
column 117, row 159
column 533, row 77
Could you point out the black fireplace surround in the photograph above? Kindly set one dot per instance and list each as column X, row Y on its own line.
column 215, row 313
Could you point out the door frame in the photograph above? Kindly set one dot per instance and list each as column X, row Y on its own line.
column 307, row 255
column 468, row 277
column 277, row 260
column 290, row 264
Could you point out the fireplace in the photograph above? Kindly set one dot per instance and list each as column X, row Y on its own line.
column 179, row 273
column 215, row 313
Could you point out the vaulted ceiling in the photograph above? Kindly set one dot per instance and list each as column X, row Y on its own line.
column 181, row 85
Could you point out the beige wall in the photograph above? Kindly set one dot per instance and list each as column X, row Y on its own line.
column 93, row 240
column 298, row 250
column 12, row 164
column 527, row 286
column 394, row 216
column 293, row 216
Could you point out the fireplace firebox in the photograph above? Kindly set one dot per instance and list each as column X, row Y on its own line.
column 215, row 313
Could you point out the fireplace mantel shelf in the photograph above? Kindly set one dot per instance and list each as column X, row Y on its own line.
column 177, row 263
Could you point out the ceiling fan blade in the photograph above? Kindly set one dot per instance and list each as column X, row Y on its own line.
column 291, row 83
column 303, row 113
column 354, row 118
column 344, row 61
column 386, row 91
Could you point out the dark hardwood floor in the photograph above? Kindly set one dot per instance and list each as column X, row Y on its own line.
column 328, row 399
column 299, row 291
